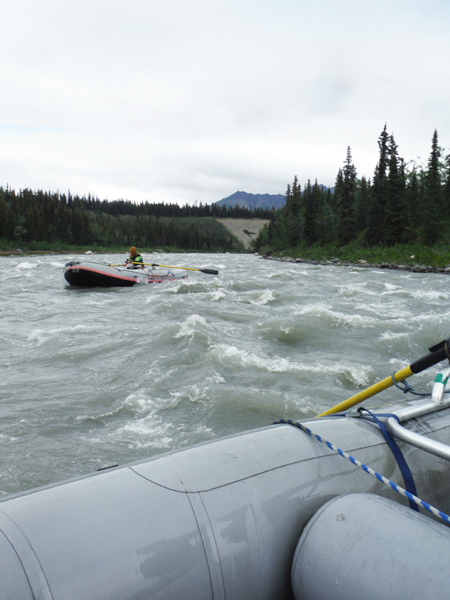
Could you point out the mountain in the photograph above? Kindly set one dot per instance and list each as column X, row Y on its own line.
column 252, row 201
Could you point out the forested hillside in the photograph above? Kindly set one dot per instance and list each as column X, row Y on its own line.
column 403, row 203
column 48, row 220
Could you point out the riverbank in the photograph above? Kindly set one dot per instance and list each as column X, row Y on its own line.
column 363, row 264
column 97, row 251
column 32, row 252
column 91, row 250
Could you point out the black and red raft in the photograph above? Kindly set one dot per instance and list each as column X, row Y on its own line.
column 87, row 274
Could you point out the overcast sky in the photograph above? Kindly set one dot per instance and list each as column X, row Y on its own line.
column 183, row 100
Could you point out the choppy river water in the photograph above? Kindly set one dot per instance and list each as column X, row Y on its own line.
column 104, row 376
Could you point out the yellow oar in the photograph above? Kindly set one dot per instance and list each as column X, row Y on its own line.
column 437, row 353
column 207, row 271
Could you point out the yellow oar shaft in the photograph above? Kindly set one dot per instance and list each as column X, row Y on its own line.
column 153, row 265
column 207, row 271
column 371, row 391
column 167, row 266
column 439, row 352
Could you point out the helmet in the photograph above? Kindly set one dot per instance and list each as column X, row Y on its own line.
column 133, row 250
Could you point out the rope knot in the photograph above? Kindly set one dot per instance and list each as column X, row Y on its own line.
column 406, row 387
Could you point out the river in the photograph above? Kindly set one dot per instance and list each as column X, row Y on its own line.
column 95, row 377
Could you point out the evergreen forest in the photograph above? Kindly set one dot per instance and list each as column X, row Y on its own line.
column 48, row 221
column 404, row 204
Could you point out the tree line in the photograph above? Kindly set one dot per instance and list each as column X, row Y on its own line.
column 39, row 218
column 402, row 203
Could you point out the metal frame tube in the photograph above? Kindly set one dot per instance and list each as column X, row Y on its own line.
column 420, row 441
column 438, row 402
column 419, row 409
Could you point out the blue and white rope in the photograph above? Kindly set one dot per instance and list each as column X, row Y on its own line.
column 394, row 486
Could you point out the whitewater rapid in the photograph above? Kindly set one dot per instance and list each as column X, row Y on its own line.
column 93, row 377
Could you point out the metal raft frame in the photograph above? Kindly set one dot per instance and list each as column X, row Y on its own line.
column 436, row 403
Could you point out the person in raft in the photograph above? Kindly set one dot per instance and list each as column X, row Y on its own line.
column 134, row 257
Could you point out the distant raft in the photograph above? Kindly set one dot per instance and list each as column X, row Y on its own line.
column 88, row 274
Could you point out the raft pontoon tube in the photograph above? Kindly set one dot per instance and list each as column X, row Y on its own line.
column 362, row 546
column 223, row 521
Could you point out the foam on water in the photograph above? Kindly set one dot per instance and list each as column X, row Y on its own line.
column 59, row 265
column 191, row 326
column 41, row 336
column 232, row 356
column 325, row 312
column 430, row 294
column 390, row 335
column 262, row 297
column 286, row 275
column 397, row 310
column 218, row 295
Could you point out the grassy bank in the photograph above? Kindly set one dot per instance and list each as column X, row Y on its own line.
column 407, row 254
column 7, row 249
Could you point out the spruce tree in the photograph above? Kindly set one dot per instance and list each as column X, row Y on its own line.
column 4, row 229
column 375, row 233
column 346, row 199
column 324, row 214
column 296, row 200
column 294, row 213
column 288, row 200
column 331, row 213
column 433, row 195
column 412, row 197
column 362, row 204
column 15, row 212
column 446, row 190
column 309, row 228
column 396, row 213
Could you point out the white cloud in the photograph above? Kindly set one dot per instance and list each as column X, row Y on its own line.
column 180, row 100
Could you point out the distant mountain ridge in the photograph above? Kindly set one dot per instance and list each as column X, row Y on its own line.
column 263, row 201
column 252, row 201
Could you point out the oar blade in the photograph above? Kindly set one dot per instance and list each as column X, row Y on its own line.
column 209, row 271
